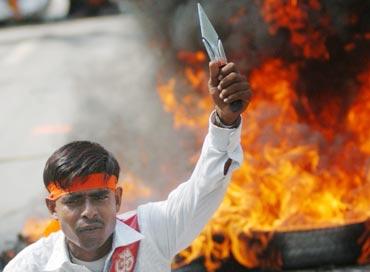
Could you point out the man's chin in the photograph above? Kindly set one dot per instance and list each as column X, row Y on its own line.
column 92, row 241
column 91, row 245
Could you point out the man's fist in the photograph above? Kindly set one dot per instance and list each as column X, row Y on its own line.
column 227, row 85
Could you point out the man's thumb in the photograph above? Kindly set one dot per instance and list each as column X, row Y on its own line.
column 214, row 70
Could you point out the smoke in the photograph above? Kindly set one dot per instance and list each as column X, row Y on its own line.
column 328, row 42
column 176, row 25
column 125, row 104
column 114, row 85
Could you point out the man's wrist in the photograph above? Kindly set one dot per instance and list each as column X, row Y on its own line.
column 218, row 121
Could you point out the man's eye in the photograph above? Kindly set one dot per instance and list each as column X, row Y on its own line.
column 71, row 201
column 102, row 197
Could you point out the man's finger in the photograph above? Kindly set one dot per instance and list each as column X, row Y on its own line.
column 230, row 79
column 236, row 87
column 214, row 70
column 242, row 95
column 228, row 68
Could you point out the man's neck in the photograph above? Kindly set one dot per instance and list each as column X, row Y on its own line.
column 89, row 256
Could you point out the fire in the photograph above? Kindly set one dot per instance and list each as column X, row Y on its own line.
column 34, row 228
column 303, row 169
column 305, row 38
column 358, row 117
column 365, row 241
column 191, row 58
column 134, row 190
column 297, row 174
column 181, row 105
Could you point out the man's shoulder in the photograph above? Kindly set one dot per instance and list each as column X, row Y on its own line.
column 126, row 215
column 35, row 256
column 142, row 212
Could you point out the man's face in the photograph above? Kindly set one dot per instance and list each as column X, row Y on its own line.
column 88, row 218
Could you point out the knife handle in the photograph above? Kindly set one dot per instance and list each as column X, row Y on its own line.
column 236, row 105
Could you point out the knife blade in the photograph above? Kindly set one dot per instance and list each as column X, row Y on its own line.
column 214, row 47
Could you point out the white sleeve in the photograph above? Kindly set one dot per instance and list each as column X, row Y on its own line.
column 176, row 222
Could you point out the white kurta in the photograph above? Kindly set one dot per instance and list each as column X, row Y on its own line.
column 166, row 227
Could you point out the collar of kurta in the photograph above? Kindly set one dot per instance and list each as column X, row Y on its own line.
column 123, row 236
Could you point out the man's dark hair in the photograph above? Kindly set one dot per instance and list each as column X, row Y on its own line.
column 78, row 159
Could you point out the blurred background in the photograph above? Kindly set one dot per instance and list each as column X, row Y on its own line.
column 132, row 76
column 75, row 70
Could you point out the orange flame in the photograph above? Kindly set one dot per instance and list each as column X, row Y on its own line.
column 181, row 106
column 304, row 36
column 34, row 228
column 365, row 242
column 293, row 176
column 296, row 174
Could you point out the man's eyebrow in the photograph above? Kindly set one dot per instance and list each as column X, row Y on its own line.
column 102, row 192
column 72, row 196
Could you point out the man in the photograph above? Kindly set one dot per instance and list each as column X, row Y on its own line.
column 81, row 178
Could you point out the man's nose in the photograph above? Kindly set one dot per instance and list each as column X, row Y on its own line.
column 89, row 210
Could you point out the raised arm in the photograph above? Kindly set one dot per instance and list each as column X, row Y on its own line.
column 175, row 222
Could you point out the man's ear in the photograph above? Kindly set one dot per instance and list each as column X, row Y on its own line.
column 51, row 207
column 118, row 197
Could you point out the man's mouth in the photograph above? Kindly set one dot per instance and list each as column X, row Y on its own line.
column 89, row 228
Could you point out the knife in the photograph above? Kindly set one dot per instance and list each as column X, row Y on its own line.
column 214, row 47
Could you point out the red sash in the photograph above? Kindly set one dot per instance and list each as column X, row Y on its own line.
column 124, row 258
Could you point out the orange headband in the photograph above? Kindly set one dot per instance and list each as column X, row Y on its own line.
column 93, row 181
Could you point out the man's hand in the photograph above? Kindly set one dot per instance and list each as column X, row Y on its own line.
column 226, row 85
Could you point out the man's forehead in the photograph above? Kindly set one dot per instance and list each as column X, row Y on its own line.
column 88, row 192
